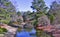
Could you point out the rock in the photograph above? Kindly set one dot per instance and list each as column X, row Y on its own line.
column 44, row 20
column 1, row 35
column 9, row 28
column 27, row 25
column 9, row 34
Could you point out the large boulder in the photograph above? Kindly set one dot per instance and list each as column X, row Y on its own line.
column 9, row 28
column 43, row 20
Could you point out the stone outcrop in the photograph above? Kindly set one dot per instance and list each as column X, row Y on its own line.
column 53, row 29
column 44, row 20
column 11, row 30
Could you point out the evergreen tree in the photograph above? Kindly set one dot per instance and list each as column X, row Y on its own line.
column 39, row 6
column 7, row 11
column 41, row 10
column 18, row 13
column 54, row 13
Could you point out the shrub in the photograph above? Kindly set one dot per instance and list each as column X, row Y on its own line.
column 5, row 21
column 2, row 30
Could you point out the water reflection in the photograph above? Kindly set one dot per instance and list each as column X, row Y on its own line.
column 25, row 33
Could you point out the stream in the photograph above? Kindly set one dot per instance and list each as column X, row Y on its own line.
column 25, row 33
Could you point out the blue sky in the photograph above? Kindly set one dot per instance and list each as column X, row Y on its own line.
column 24, row 5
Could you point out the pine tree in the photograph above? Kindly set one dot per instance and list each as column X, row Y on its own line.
column 55, row 11
column 39, row 6
column 41, row 10
column 6, row 11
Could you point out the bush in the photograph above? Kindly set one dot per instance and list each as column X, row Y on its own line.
column 51, row 17
column 5, row 21
column 2, row 30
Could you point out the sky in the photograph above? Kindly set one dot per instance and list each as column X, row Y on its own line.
column 24, row 5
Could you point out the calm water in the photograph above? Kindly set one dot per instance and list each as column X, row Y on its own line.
column 25, row 33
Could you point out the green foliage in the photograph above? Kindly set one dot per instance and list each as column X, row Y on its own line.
column 41, row 8
column 19, row 21
column 37, row 15
column 54, row 12
column 51, row 17
column 41, row 33
column 7, row 3
column 27, row 15
column 5, row 21
column 6, row 11
column 35, row 23
column 18, row 13
column 3, row 30
column 4, row 16
column 39, row 5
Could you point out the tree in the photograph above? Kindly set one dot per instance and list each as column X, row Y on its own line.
column 39, row 6
column 41, row 10
column 26, row 15
column 18, row 13
column 54, row 13
column 7, row 10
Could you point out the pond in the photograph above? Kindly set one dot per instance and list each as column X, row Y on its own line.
column 24, row 33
